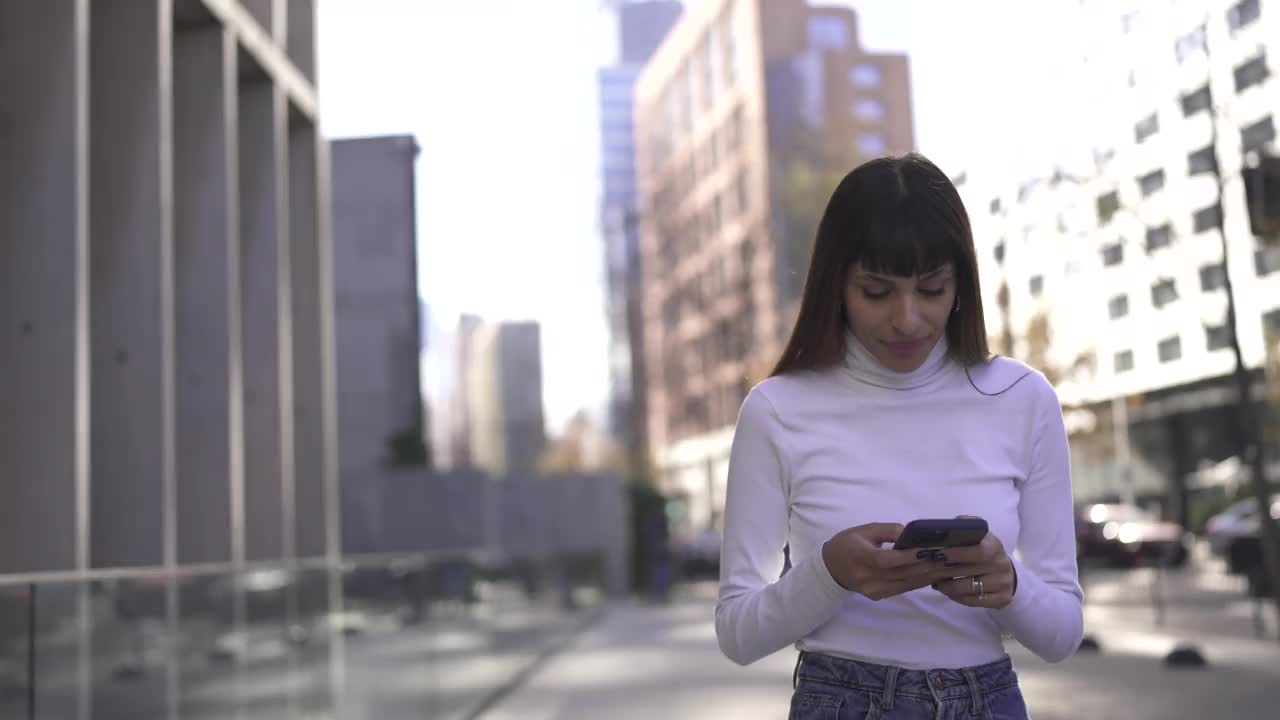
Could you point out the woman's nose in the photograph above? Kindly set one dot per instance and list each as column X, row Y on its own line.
column 905, row 316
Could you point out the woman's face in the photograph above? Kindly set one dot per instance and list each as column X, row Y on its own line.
column 899, row 319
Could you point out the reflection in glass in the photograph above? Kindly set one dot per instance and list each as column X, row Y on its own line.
column 206, row 673
column 128, row 648
column 58, row 637
column 15, row 623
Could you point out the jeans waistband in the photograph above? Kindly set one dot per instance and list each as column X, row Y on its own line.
column 890, row 681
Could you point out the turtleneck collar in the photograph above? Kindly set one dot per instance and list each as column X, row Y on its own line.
column 865, row 368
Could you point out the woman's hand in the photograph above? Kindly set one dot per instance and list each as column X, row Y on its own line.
column 856, row 561
column 981, row 575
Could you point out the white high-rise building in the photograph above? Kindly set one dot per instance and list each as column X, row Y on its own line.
column 1124, row 255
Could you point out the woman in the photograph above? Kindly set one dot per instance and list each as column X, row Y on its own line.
column 886, row 407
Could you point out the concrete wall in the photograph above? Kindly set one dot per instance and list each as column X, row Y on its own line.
column 521, row 516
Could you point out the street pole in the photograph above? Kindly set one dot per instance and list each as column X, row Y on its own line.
column 1251, row 437
column 1120, row 435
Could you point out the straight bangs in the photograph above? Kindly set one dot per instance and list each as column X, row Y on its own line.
column 906, row 238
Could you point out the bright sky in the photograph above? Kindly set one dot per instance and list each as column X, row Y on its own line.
column 501, row 97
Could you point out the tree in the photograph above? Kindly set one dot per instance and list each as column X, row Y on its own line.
column 1039, row 348
column 1252, row 435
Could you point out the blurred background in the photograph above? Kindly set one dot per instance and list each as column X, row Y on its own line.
column 380, row 359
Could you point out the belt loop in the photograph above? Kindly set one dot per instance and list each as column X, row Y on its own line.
column 890, row 688
column 795, row 675
column 975, row 691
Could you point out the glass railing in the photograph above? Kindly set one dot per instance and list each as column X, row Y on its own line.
column 414, row 636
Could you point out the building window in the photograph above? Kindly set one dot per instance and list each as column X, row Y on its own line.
column 1202, row 161
column 999, row 252
column 1163, row 293
column 1258, row 135
column 743, row 191
column 1158, row 237
column 1124, row 361
column 1207, row 218
column 1151, row 183
column 710, row 68
column 1190, row 44
column 1148, row 126
column 865, row 75
column 1193, row 103
column 1243, row 13
column 1271, row 322
column 1217, row 337
column 1118, row 306
column 1036, row 285
column 869, row 110
column 1112, row 254
column 1169, row 349
column 994, row 207
column 1108, row 204
column 871, row 145
column 1213, row 277
column 827, row 32
column 1251, row 73
column 727, row 47
column 1266, row 261
column 732, row 131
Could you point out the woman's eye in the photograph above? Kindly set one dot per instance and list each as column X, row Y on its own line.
column 932, row 292
column 875, row 295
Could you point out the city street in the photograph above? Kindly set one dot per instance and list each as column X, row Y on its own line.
column 647, row 661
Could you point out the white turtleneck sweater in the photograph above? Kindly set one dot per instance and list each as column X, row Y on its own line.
column 817, row 452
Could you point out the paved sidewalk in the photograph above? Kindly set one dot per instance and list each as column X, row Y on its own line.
column 646, row 662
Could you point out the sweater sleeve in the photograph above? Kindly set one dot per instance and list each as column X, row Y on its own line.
column 758, row 612
column 1046, row 614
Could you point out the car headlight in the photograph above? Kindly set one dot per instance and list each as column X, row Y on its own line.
column 1129, row 533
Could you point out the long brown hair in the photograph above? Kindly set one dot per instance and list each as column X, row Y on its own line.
column 899, row 216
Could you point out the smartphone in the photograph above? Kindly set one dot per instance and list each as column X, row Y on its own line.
column 938, row 534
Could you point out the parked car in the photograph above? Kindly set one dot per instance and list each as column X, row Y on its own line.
column 1233, row 522
column 1127, row 535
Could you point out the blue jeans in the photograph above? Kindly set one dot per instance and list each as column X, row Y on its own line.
column 831, row 688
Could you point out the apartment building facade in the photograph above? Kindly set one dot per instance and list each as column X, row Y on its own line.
column 1125, row 258
column 746, row 118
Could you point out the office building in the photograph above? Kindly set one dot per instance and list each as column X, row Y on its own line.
column 641, row 27
column 459, row 397
column 747, row 116
column 380, row 424
column 504, row 395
